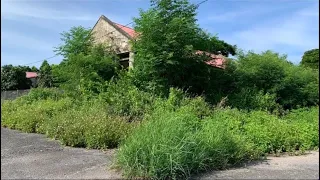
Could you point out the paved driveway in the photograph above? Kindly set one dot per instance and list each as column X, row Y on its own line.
column 285, row 167
column 32, row 156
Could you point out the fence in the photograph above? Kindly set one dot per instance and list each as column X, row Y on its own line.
column 10, row 95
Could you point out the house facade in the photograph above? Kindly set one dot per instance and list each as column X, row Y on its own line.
column 118, row 36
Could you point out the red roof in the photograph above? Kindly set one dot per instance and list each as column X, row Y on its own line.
column 31, row 75
column 126, row 29
column 216, row 61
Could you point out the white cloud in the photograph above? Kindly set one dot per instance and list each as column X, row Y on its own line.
column 292, row 34
column 21, row 9
column 246, row 12
column 21, row 41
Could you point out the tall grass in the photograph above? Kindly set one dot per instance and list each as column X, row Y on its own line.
column 74, row 124
column 173, row 144
column 177, row 137
column 176, row 144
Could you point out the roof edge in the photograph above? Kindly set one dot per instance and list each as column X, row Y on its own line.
column 113, row 25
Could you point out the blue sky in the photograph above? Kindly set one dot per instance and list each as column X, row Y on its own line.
column 31, row 28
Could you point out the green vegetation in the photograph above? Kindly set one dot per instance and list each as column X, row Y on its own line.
column 14, row 78
column 175, row 144
column 172, row 115
column 311, row 59
column 45, row 76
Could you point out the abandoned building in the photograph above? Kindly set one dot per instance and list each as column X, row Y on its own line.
column 118, row 36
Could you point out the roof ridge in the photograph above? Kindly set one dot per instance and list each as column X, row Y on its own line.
column 122, row 25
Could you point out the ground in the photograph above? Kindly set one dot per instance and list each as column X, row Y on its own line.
column 33, row 156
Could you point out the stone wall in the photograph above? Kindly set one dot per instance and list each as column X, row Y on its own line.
column 105, row 33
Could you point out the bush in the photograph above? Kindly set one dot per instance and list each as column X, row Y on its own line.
column 269, row 133
column 124, row 99
column 268, row 73
column 88, row 126
column 163, row 147
column 306, row 121
column 175, row 144
column 253, row 99
column 224, row 147
column 31, row 117
column 37, row 94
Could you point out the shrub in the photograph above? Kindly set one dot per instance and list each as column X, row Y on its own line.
column 42, row 94
column 253, row 99
column 306, row 121
column 300, row 88
column 175, row 144
column 163, row 147
column 290, row 86
column 8, row 113
column 31, row 117
column 223, row 147
column 107, row 132
column 88, row 126
column 269, row 133
column 124, row 99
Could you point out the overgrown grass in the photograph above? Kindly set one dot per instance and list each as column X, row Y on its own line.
column 177, row 137
column 89, row 126
column 272, row 134
column 78, row 125
column 177, row 143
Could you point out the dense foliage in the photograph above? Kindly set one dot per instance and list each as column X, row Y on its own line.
column 14, row 78
column 165, row 49
column 273, row 80
column 75, row 41
column 45, row 75
column 84, row 74
column 311, row 59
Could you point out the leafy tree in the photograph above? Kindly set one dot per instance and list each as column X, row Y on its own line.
column 45, row 75
column 264, row 71
column 14, row 77
column 75, row 41
column 165, row 50
column 311, row 59
column 34, row 69
column 259, row 78
column 86, row 74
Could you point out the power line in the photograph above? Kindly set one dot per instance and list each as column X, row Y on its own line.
column 201, row 3
column 40, row 60
column 197, row 5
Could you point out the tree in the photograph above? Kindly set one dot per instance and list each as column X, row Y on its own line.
column 14, row 78
column 165, row 49
column 45, row 75
column 311, row 59
column 75, row 41
column 34, row 69
column 259, row 78
column 86, row 73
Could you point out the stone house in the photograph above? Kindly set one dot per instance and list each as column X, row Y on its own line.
column 118, row 36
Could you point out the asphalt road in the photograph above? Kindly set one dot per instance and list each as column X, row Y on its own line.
column 32, row 156
column 285, row 167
